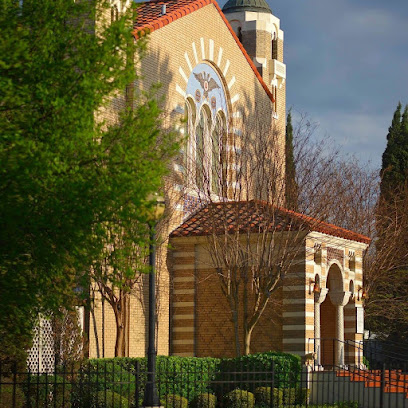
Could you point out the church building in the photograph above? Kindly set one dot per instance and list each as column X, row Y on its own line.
column 236, row 270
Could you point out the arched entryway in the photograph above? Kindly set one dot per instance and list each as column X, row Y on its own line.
column 332, row 319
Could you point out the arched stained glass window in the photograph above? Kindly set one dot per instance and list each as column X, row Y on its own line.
column 206, row 126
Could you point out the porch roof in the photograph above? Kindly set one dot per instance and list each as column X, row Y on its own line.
column 255, row 216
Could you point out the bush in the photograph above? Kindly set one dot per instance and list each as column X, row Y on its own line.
column 205, row 400
column 302, row 396
column 110, row 399
column 345, row 404
column 184, row 376
column 239, row 399
column 289, row 396
column 174, row 401
column 6, row 396
column 106, row 374
column 277, row 369
column 48, row 391
column 263, row 397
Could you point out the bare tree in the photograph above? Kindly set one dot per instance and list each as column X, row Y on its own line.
column 253, row 242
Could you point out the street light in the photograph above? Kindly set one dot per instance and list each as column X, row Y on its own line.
column 151, row 398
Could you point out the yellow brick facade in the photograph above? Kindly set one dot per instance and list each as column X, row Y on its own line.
column 194, row 318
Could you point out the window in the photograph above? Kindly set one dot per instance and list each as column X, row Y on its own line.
column 206, row 128
column 204, row 155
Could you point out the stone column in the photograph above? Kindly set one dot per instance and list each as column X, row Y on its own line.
column 319, row 298
column 339, row 299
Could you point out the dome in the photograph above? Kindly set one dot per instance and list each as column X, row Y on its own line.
column 232, row 6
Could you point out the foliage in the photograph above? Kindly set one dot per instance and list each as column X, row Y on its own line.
column 184, row 376
column 48, row 391
column 286, row 369
column 66, row 173
column 174, row 401
column 394, row 172
column 302, row 395
column 239, row 399
column 205, row 400
column 9, row 394
column 291, row 187
column 68, row 338
column 289, row 395
column 110, row 399
column 265, row 395
column 386, row 308
column 345, row 404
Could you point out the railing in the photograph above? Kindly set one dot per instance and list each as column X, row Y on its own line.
column 331, row 352
column 121, row 383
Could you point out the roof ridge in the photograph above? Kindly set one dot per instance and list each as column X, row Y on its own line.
column 313, row 223
column 161, row 21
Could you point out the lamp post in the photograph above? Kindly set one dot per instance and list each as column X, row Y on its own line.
column 151, row 398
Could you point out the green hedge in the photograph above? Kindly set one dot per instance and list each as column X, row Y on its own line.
column 184, row 376
column 189, row 377
column 287, row 369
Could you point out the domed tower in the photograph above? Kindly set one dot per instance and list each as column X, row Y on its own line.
column 260, row 34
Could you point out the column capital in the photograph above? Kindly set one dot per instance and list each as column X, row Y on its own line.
column 339, row 298
column 320, row 296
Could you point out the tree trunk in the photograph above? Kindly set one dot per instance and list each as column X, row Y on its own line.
column 247, row 341
column 121, row 311
column 236, row 333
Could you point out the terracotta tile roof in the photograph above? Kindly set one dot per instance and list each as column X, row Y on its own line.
column 149, row 19
column 255, row 216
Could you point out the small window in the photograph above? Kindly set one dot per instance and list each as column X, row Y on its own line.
column 318, row 254
column 274, row 48
column 352, row 261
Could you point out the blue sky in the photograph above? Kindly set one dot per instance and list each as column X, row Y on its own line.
column 347, row 67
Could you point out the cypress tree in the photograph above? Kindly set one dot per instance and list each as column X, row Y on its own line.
column 394, row 172
column 291, row 187
column 391, row 287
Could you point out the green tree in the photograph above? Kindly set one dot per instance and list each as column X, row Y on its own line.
column 291, row 187
column 394, row 172
column 65, row 172
column 386, row 309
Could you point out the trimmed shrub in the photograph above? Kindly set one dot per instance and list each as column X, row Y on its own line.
column 174, row 401
column 110, row 399
column 205, row 400
column 106, row 374
column 289, row 396
column 239, row 399
column 6, row 396
column 302, row 396
column 184, row 376
column 274, row 368
column 265, row 395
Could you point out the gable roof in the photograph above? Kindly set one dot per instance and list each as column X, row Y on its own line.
column 256, row 216
column 149, row 18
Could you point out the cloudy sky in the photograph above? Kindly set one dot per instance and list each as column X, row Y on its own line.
column 347, row 67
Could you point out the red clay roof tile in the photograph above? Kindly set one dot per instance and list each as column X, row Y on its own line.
column 255, row 216
column 149, row 19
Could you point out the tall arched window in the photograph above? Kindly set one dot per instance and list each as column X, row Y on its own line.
column 206, row 126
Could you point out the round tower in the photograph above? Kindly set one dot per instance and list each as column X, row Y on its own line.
column 260, row 34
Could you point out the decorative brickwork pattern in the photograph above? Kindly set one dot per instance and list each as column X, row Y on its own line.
column 336, row 254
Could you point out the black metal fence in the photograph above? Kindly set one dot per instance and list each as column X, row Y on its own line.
column 121, row 384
